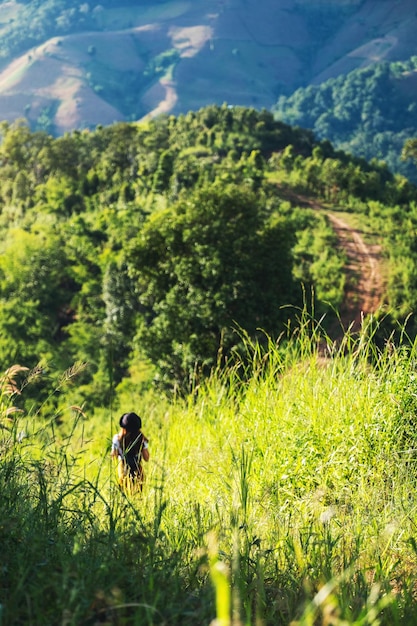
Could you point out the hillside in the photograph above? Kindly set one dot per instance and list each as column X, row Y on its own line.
column 193, row 268
column 68, row 66
column 364, row 269
column 151, row 244
column 284, row 499
column 370, row 112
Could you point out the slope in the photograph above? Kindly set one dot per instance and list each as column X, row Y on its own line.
column 178, row 56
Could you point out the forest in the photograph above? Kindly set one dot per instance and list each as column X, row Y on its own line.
column 164, row 242
column 369, row 112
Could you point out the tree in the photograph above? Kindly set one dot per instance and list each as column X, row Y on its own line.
column 164, row 172
column 119, row 319
column 409, row 150
column 211, row 263
column 35, row 293
column 21, row 187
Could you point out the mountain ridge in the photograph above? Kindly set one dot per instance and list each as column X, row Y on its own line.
column 174, row 56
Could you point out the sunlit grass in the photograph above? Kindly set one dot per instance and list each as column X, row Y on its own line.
column 280, row 492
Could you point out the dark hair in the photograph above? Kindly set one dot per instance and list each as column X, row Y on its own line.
column 130, row 422
column 132, row 440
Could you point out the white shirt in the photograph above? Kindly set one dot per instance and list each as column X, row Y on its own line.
column 116, row 447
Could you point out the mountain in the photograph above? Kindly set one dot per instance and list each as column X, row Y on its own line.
column 370, row 112
column 66, row 65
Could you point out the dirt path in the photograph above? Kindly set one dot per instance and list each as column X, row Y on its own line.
column 364, row 280
column 365, row 287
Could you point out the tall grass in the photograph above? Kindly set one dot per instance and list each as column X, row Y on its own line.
column 279, row 493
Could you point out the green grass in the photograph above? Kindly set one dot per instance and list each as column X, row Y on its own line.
column 279, row 493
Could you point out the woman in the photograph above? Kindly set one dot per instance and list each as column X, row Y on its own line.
column 130, row 446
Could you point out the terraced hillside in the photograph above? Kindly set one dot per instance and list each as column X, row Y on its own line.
column 91, row 64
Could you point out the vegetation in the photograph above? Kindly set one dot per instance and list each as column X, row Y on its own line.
column 369, row 112
column 284, row 497
column 35, row 21
column 153, row 247
column 25, row 25
column 175, row 255
column 164, row 267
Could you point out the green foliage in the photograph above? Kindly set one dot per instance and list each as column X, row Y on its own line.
column 318, row 264
column 410, row 149
column 166, row 241
column 211, row 262
column 33, row 282
column 370, row 112
column 36, row 21
column 164, row 172
column 161, row 63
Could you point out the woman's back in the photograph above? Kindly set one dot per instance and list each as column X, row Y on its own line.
column 130, row 446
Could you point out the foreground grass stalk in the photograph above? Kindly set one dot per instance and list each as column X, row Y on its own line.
column 220, row 576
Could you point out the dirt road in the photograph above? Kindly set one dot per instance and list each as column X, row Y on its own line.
column 365, row 287
column 364, row 281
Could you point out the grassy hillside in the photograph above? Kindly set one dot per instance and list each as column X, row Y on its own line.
column 284, row 499
column 68, row 65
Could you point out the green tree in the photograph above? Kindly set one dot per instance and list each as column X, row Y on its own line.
column 164, row 172
column 120, row 309
column 210, row 264
column 60, row 195
column 409, row 150
column 21, row 188
column 35, row 294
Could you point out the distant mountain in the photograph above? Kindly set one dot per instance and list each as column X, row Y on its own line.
column 66, row 64
column 370, row 112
